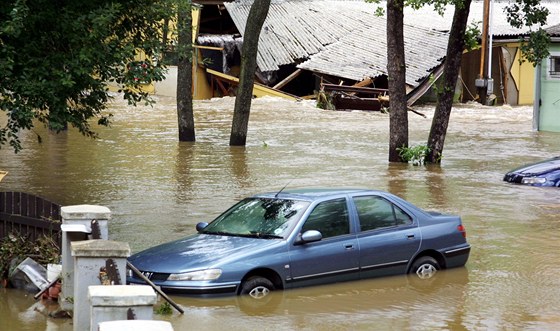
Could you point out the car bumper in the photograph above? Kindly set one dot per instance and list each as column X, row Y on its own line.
column 457, row 256
column 202, row 289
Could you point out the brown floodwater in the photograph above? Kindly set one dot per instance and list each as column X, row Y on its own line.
column 158, row 189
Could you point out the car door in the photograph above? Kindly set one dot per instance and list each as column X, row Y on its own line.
column 388, row 237
column 334, row 257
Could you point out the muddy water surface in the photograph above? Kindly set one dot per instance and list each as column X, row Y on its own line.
column 158, row 189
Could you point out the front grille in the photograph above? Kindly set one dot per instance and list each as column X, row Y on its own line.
column 513, row 178
column 153, row 276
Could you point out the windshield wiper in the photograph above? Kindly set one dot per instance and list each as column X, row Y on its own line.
column 246, row 235
column 219, row 233
column 264, row 235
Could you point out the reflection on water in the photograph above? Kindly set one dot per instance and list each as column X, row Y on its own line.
column 158, row 189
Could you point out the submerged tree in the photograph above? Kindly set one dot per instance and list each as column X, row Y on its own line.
column 522, row 13
column 255, row 21
column 452, row 66
column 396, row 71
column 185, row 116
column 58, row 59
column 534, row 48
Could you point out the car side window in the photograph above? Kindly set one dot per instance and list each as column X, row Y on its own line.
column 330, row 218
column 375, row 212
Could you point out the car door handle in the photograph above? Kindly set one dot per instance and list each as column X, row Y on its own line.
column 410, row 236
column 348, row 246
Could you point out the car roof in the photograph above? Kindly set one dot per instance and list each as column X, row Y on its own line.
column 540, row 167
column 315, row 193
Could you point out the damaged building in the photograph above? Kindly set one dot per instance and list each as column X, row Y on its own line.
column 339, row 47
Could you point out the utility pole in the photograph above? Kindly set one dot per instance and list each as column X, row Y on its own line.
column 484, row 81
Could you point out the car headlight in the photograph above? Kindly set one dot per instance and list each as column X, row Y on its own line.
column 533, row 180
column 208, row 274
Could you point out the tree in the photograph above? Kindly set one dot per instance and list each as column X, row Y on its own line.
column 255, row 21
column 57, row 60
column 452, row 66
column 396, row 72
column 523, row 12
column 185, row 114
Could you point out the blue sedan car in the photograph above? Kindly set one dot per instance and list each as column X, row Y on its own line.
column 288, row 239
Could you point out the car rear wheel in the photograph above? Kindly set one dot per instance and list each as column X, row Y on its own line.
column 425, row 267
column 257, row 287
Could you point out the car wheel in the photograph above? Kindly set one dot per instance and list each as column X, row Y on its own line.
column 425, row 267
column 257, row 287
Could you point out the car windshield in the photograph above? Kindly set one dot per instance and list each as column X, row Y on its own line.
column 267, row 218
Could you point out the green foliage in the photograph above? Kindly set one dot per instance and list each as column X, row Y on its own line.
column 57, row 60
column 16, row 246
column 324, row 101
column 164, row 309
column 415, row 154
column 535, row 48
column 526, row 13
column 529, row 13
column 472, row 33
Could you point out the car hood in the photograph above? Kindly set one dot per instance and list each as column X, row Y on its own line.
column 199, row 251
column 539, row 167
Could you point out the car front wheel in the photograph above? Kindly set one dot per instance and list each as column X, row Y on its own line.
column 425, row 267
column 257, row 287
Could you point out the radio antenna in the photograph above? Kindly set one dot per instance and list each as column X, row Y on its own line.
column 276, row 195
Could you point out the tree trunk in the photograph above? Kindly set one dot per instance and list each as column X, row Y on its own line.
column 452, row 67
column 398, row 117
column 255, row 21
column 185, row 116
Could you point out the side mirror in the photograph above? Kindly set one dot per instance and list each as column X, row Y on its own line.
column 201, row 226
column 309, row 236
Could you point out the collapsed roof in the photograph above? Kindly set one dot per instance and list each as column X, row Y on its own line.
column 345, row 38
column 335, row 37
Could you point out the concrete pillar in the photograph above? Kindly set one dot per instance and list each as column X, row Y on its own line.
column 94, row 261
column 120, row 302
column 76, row 226
column 135, row 325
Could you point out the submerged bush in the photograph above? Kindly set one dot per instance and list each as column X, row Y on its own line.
column 415, row 154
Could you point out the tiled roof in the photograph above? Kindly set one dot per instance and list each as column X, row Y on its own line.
column 346, row 39
column 349, row 40
column 554, row 30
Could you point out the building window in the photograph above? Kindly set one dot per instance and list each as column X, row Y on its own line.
column 554, row 71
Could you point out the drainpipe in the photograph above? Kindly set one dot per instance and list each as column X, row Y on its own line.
column 490, row 80
column 537, row 100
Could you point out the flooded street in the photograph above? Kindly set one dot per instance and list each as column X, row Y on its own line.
column 158, row 189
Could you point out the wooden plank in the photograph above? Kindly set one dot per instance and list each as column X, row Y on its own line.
column 372, row 104
column 259, row 90
column 288, row 79
column 9, row 202
column 354, row 89
column 364, row 83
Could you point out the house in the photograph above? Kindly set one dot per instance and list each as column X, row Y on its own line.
column 305, row 45
column 547, row 90
column 513, row 80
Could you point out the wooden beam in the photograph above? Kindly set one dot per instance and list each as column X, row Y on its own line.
column 287, row 79
column 364, row 82
column 345, row 88
column 213, row 48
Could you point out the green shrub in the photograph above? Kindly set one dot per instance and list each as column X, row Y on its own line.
column 415, row 154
